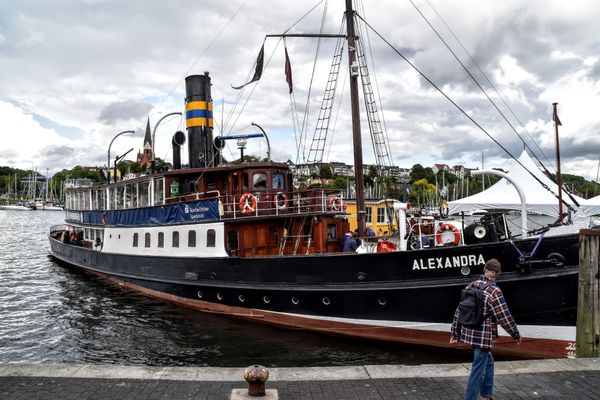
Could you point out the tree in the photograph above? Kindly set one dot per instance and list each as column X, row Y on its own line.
column 422, row 191
column 325, row 171
column 418, row 172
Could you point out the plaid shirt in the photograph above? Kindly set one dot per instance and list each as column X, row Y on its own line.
column 495, row 312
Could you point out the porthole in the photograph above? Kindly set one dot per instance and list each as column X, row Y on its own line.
column 219, row 296
column 326, row 301
column 241, row 298
column 119, row 236
column 110, row 236
column 382, row 301
column 213, row 275
column 199, row 294
column 465, row 270
column 266, row 299
column 360, row 276
column 295, row 301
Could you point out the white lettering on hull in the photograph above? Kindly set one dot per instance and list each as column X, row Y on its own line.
column 469, row 260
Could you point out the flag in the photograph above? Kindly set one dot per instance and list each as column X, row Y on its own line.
column 288, row 71
column 555, row 117
column 258, row 70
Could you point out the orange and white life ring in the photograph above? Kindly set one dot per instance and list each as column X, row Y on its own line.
column 442, row 231
column 335, row 203
column 247, row 203
column 280, row 200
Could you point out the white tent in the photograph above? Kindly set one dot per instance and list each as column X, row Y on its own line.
column 502, row 195
column 590, row 206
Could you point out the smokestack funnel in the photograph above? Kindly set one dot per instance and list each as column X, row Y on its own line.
column 199, row 120
column 177, row 141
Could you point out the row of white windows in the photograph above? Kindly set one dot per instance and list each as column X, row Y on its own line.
column 160, row 239
column 382, row 215
column 141, row 194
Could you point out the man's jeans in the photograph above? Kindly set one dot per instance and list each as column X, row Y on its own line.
column 481, row 380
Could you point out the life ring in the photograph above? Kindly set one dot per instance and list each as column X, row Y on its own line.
column 335, row 203
column 247, row 203
column 447, row 227
column 280, row 200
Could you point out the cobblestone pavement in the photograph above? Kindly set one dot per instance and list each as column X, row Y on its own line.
column 440, row 382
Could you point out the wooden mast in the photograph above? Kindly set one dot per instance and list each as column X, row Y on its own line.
column 356, row 134
column 558, row 175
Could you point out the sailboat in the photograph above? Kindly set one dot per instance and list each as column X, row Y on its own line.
column 17, row 205
column 239, row 240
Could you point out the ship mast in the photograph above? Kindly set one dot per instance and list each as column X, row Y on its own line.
column 558, row 174
column 356, row 134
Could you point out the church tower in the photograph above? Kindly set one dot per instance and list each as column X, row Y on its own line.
column 145, row 157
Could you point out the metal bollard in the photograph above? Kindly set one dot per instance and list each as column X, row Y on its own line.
column 256, row 376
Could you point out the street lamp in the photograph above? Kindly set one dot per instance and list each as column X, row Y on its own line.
column 154, row 133
column 108, row 155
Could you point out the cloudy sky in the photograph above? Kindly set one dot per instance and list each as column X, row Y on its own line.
column 77, row 72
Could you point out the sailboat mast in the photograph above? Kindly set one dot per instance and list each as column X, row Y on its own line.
column 558, row 175
column 356, row 134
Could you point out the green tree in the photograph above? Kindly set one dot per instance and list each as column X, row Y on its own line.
column 418, row 172
column 325, row 171
column 422, row 191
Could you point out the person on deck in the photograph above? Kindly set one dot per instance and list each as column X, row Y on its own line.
column 349, row 244
column 483, row 337
column 370, row 231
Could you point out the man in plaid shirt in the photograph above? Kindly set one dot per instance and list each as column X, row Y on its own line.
column 483, row 337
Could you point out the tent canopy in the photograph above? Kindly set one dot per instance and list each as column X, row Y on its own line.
column 502, row 195
column 590, row 206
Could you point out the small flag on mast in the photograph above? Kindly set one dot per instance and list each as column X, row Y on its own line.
column 555, row 117
column 257, row 71
column 288, row 71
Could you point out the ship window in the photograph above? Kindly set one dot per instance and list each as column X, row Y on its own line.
column 129, row 196
column 120, row 195
column 143, row 194
column 278, row 180
column 175, row 239
column 235, row 182
column 135, row 240
column 161, row 239
column 192, row 187
column 159, row 193
column 244, row 181
column 232, row 242
column 259, row 180
column 369, row 215
column 210, row 238
column 331, row 232
column 192, row 239
column 147, row 240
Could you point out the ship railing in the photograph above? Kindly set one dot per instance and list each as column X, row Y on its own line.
column 277, row 203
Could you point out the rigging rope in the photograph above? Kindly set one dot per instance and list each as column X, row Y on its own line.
column 485, row 93
column 493, row 87
column 459, row 108
column 304, row 127
column 475, row 80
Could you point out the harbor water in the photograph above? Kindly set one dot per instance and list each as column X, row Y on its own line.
column 54, row 314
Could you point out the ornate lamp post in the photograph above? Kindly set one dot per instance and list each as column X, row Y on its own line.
column 154, row 134
column 108, row 155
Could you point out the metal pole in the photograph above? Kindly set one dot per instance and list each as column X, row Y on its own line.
column 108, row 154
column 154, row 133
column 519, row 190
column 266, row 138
column 356, row 134
column 558, row 175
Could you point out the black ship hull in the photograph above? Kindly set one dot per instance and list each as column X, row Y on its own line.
column 404, row 296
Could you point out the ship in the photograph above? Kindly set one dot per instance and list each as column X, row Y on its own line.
column 241, row 240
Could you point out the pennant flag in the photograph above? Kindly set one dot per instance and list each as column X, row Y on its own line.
column 288, row 71
column 555, row 117
column 258, row 70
